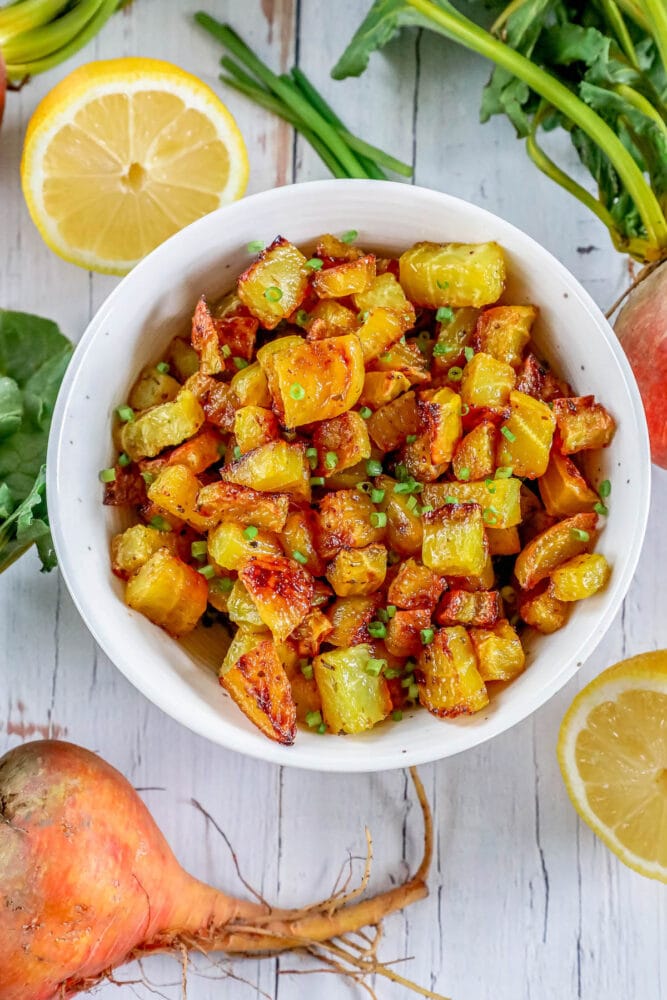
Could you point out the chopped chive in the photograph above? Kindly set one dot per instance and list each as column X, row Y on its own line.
column 297, row 391
column 273, row 294
column 302, row 317
column 508, row 594
column 464, row 473
column 391, row 610
column 397, row 715
column 507, row 433
column 226, row 351
column 382, row 615
column 199, row 549
column 377, row 496
column 373, row 467
column 330, row 460
column 313, row 719
column 401, row 472
column 579, row 535
column 504, row 472
column 314, row 264
column 407, row 680
column 413, row 692
column 240, row 363
column 124, row 459
column 377, row 630
column 251, row 532
column 365, row 412
column 317, row 480
column 374, row 667
column 465, row 409
column 148, row 478
column 604, row 489
column 391, row 674
column 321, row 729
column 442, row 284
column 449, row 499
column 427, row 636
column 162, row 367
column 159, row 523
column 490, row 485
column 440, row 349
column 307, row 671
column 365, row 486
column 386, row 356
column 455, row 374
column 350, row 236
column 223, row 585
column 490, row 515
column 469, row 353
column 126, row 414
column 107, row 475
column 299, row 556
column 444, row 314
column 363, row 316
column 311, row 455
column 207, row 572
column 255, row 246
column 411, row 503
column 378, row 519
column 427, row 508
column 236, row 453
column 411, row 438
column 600, row 508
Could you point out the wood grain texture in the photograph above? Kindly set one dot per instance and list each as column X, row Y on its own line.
column 525, row 903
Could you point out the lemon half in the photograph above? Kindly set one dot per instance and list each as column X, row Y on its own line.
column 612, row 752
column 123, row 153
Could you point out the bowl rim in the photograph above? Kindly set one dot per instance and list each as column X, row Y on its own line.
column 267, row 750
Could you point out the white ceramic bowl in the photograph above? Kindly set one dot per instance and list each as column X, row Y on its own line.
column 156, row 301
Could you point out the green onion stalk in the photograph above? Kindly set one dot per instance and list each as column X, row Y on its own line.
column 36, row 35
column 598, row 70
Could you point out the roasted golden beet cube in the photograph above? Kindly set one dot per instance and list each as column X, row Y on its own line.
column 447, row 675
column 406, row 359
column 563, row 488
column 582, row 424
column 486, row 381
column 313, row 380
column 500, row 655
column 440, row 416
column 254, row 426
column 242, row 610
column 415, row 455
column 205, row 340
column 504, row 331
column 217, row 399
column 341, row 443
column 134, row 547
column 404, row 631
column 199, row 452
column 386, row 292
column 276, row 284
column 243, row 641
column 541, row 610
column 250, row 386
column 463, row 607
column 298, row 540
column 557, row 544
column 175, row 490
column 344, row 521
column 152, row 388
column 330, row 319
column 168, row 592
column 380, row 330
column 260, row 687
column 281, row 589
column 415, row 586
column 353, row 699
column 475, row 454
column 404, row 530
column 525, row 438
column 392, row 423
column 535, row 379
column 454, row 335
column 452, row 274
column 358, row 571
column 349, row 617
column 162, row 426
column 274, row 467
column 229, row 547
column 503, row 541
column 580, row 577
column 500, row 499
column 182, row 358
column 454, row 540
column 330, row 248
column 381, row 387
column 229, row 501
column 348, row 278
column 311, row 633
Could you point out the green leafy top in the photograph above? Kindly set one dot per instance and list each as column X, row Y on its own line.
column 596, row 69
column 33, row 358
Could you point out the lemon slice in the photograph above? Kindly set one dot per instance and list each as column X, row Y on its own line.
column 612, row 751
column 121, row 154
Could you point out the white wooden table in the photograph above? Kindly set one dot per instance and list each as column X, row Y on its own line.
column 525, row 902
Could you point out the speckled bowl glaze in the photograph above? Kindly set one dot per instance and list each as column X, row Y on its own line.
column 155, row 302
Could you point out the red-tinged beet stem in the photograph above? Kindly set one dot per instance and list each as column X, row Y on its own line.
column 88, row 882
column 3, row 86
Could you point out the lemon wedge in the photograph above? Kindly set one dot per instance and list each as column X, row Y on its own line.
column 612, row 751
column 123, row 153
